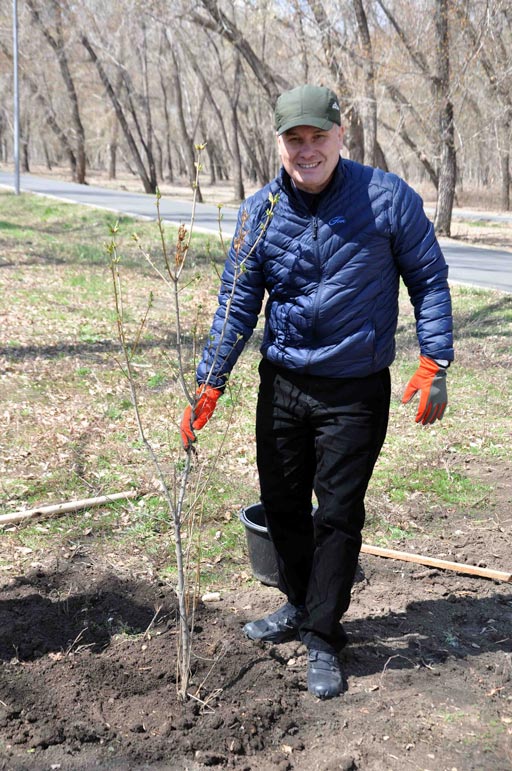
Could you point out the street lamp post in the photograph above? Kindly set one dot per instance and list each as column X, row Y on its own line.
column 16, row 98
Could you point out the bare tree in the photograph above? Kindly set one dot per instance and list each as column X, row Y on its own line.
column 438, row 78
column 271, row 82
column 443, row 87
column 147, row 176
column 488, row 48
column 56, row 41
column 187, row 138
column 48, row 116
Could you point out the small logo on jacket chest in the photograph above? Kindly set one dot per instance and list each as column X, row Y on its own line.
column 336, row 221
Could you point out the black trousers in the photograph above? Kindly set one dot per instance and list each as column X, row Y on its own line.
column 322, row 435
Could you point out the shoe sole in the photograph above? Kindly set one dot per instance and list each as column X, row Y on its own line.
column 276, row 638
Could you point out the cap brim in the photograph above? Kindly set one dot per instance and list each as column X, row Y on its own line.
column 306, row 120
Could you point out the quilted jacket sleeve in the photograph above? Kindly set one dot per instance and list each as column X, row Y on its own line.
column 240, row 298
column 424, row 271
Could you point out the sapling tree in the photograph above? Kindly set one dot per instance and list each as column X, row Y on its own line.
column 180, row 503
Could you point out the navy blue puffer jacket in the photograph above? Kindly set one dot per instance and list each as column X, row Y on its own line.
column 332, row 278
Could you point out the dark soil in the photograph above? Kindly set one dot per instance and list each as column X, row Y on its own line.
column 89, row 654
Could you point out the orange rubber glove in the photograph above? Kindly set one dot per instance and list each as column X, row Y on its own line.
column 430, row 380
column 194, row 418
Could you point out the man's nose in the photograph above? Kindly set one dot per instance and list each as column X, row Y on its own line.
column 307, row 149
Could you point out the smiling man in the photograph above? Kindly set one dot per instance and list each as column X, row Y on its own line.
column 340, row 237
column 309, row 152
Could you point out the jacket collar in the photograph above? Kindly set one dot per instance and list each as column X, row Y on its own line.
column 286, row 184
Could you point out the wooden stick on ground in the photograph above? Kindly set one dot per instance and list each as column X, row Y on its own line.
column 63, row 508
column 460, row 567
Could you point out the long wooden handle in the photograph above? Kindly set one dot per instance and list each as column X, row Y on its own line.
column 62, row 508
column 421, row 559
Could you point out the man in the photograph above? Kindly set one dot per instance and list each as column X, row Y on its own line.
column 331, row 256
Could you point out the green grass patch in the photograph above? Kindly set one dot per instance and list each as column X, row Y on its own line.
column 448, row 487
column 484, row 224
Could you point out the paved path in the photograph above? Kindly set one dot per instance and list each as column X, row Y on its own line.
column 134, row 204
column 487, row 268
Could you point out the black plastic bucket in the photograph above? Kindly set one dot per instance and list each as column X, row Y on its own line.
column 261, row 549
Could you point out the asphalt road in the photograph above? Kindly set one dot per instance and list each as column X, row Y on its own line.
column 487, row 268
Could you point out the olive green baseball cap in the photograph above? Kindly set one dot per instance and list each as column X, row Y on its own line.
column 316, row 106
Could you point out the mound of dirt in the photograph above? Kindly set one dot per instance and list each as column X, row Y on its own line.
column 89, row 654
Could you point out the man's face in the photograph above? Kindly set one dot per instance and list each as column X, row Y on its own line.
column 310, row 155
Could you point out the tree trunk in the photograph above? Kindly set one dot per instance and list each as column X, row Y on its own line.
column 262, row 174
column 3, row 155
column 447, row 173
column 167, row 127
column 25, row 163
column 369, row 111
column 237, row 161
column 380, row 158
column 24, row 144
column 159, row 160
column 504, row 153
column 112, row 158
column 210, row 152
column 148, row 143
column 47, row 156
column 448, row 164
column 354, row 137
column 237, row 158
column 114, row 137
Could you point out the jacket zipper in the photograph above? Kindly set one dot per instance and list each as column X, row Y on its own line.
column 317, row 301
